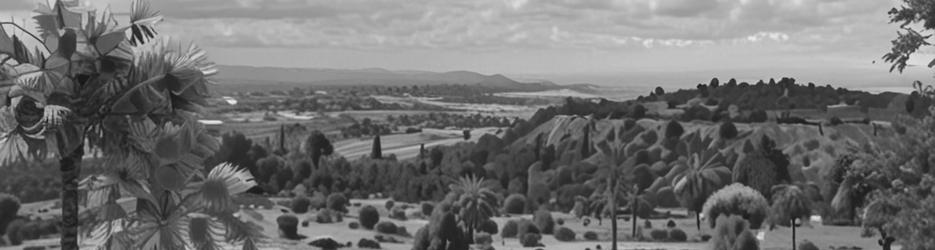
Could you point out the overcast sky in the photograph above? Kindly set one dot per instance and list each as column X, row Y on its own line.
column 604, row 41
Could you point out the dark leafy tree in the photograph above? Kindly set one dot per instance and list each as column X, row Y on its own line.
column 659, row 91
column 377, row 150
column 714, row 83
column 789, row 203
column 317, row 146
column 9, row 206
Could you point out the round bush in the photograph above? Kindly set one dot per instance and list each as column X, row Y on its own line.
column 677, row 235
column 14, row 231
column 386, row 227
column 564, row 234
column 325, row 217
column 337, row 202
column 647, row 224
column 300, row 204
column 515, row 204
column 353, row 225
column 746, row 241
column 659, row 235
column 368, row 243
column 9, row 207
column 670, row 224
column 736, row 199
column 510, row 229
column 489, row 226
column 560, row 221
column 807, row 245
column 590, row 235
column 288, row 224
column 398, row 213
column 544, row 221
column 525, row 226
column 427, row 208
column 389, row 205
column 531, row 240
column 368, row 217
column 483, row 239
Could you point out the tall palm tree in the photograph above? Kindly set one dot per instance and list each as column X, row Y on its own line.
column 477, row 203
column 617, row 164
column 700, row 175
column 91, row 81
column 789, row 203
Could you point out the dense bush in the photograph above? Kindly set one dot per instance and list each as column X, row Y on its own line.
column 670, row 224
column 736, row 199
column 337, row 202
column 489, row 226
column 368, row 243
column 398, row 213
column 368, row 216
column 531, row 240
column 288, row 225
column 590, row 235
column 544, row 221
column 727, row 130
column 300, row 204
column 14, row 231
column 732, row 233
column 560, row 222
column 353, row 225
column 9, row 207
column 677, row 235
column 483, row 239
column 514, row 204
column 510, row 229
column 807, row 245
column 674, row 129
column 327, row 216
column 427, row 208
column 525, row 226
column 389, row 205
column 647, row 224
column 564, row 234
column 386, row 227
column 659, row 234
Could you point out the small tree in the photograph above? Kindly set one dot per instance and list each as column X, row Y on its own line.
column 9, row 206
column 368, row 216
column 736, row 199
column 317, row 146
column 377, row 151
column 789, row 203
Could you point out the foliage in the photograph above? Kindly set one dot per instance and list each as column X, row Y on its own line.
column 288, row 226
column 732, row 233
column 337, row 202
column 525, row 226
column 386, row 227
column 377, row 150
column 659, row 234
column 353, row 225
column 544, row 221
column 389, row 204
column 510, row 229
column 317, row 146
column 489, row 226
column 300, row 204
column 368, row 216
column 807, row 245
column 590, row 235
column 13, row 231
column 327, row 216
column 736, row 199
column 564, row 234
column 700, row 175
column 368, row 243
column 789, row 203
column 677, row 235
column 515, row 204
column 531, row 240
column 674, row 129
column 9, row 206
column 727, row 130
column 762, row 168
column 476, row 201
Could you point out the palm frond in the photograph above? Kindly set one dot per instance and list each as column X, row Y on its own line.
column 143, row 20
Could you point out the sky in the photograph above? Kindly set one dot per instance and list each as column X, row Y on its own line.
column 611, row 42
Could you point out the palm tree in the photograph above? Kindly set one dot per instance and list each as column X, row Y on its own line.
column 697, row 177
column 477, row 203
column 617, row 162
column 789, row 203
column 93, row 82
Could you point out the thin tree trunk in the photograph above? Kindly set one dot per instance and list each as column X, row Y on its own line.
column 70, row 166
column 698, row 220
column 633, row 207
column 793, row 234
column 613, row 210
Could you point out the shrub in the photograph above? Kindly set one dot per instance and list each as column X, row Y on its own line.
column 317, row 201
column 674, row 129
column 510, row 229
column 483, row 239
column 337, row 202
column 736, row 199
column 300, row 204
column 732, row 233
column 398, row 213
column 489, row 226
column 590, row 235
column 677, row 235
column 368, row 243
column 515, row 204
column 368, row 217
column 386, row 227
column 401, row 230
column 526, row 226
column 427, row 208
column 288, row 224
column 560, row 221
column 389, row 205
column 326, row 216
column 544, row 221
column 727, row 130
column 746, row 241
column 647, row 224
column 9, row 207
column 659, row 234
column 670, row 224
column 531, row 240
column 353, row 225
column 807, row 245
column 564, row 234
column 14, row 231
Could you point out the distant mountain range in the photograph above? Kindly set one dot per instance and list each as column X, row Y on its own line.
column 247, row 75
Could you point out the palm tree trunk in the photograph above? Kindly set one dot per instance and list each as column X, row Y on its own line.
column 70, row 166
column 633, row 206
column 613, row 211
column 698, row 220
column 793, row 234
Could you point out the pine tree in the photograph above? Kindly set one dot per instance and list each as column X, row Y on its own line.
column 377, row 152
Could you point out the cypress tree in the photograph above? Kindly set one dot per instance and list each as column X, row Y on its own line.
column 586, row 143
column 377, row 151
